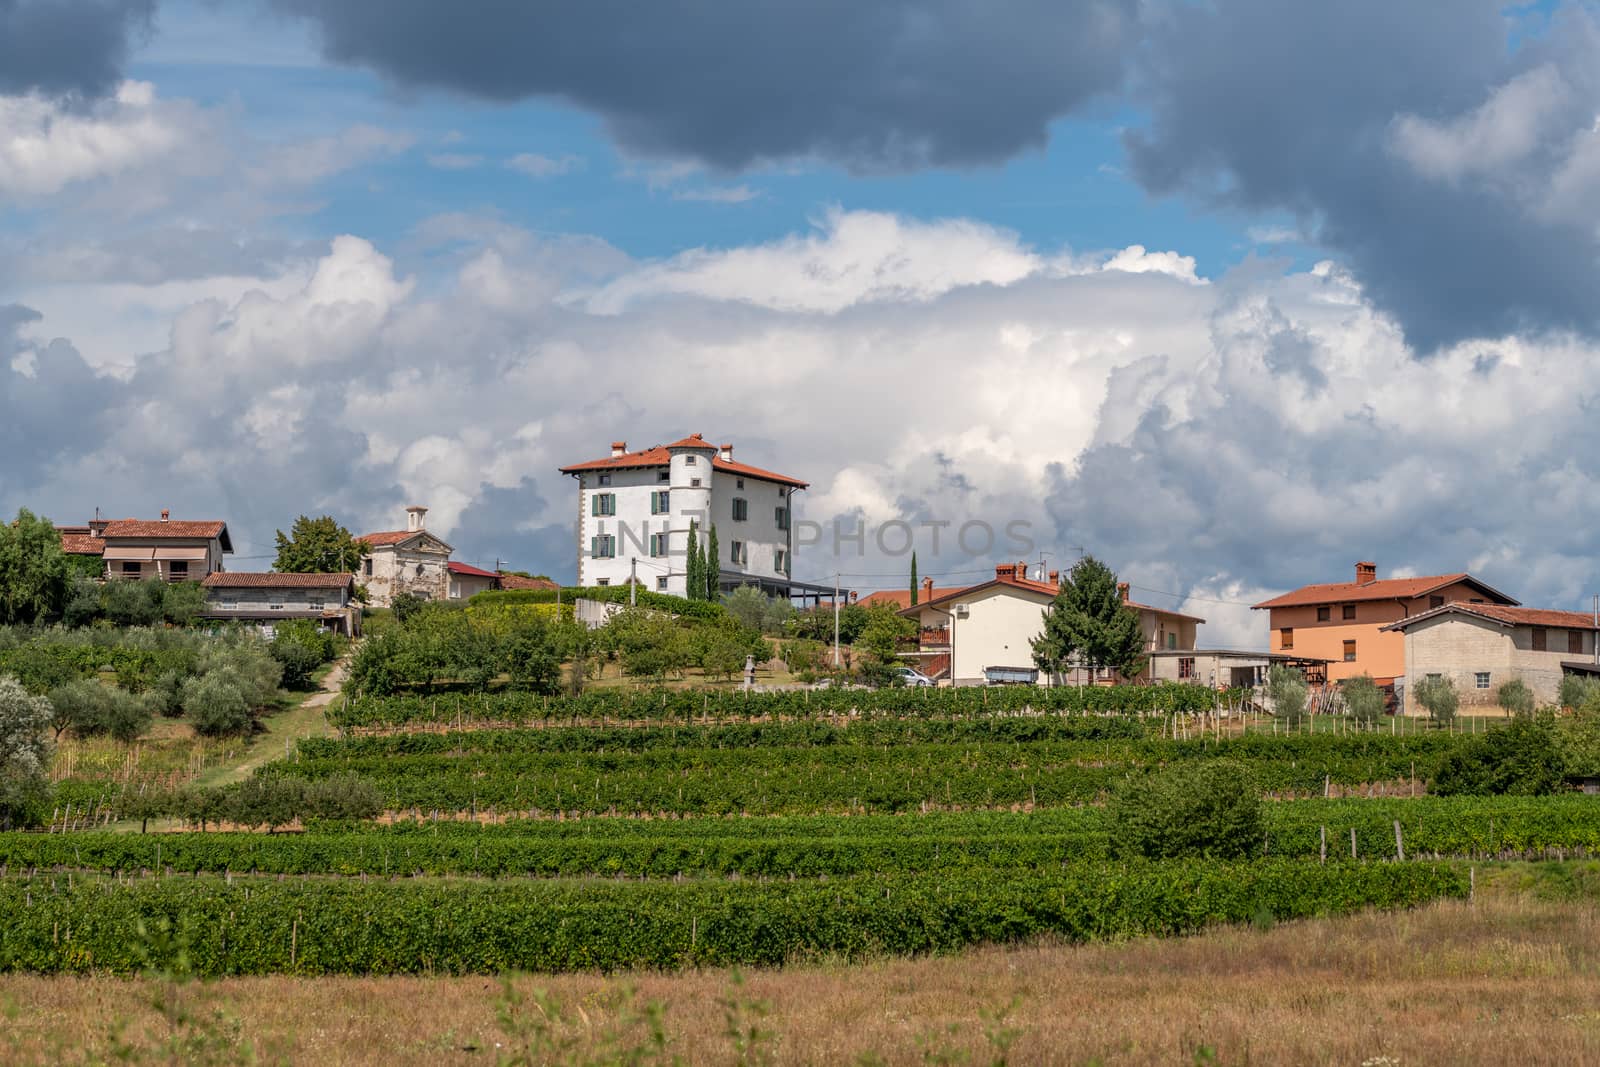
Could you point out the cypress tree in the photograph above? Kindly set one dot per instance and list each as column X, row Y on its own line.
column 913, row 579
column 713, row 566
column 695, row 569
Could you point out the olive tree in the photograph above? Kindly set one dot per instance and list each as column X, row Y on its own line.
column 1437, row 694
column 24, row 755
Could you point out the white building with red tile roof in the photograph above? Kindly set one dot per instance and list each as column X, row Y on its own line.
column 266, row 598
column 406, row 561
column 635, row 510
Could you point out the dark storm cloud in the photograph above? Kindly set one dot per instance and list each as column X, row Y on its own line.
column 1262, row 105
column 889, row 85
column 50, row 399
column 67, row 47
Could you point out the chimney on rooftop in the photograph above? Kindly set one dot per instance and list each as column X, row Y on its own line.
column 618, row 448
column 726, row 453
column 1005, row 570
column 927, row 590
column 1055, row 577
column 853, row 595
column 97, row 525
column 1122, row 591
column 416, row 518
column 165, row 515
column 1366, row 572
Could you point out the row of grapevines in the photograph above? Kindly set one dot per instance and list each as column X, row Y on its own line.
column 842, row 778
column 353, row 927
column 687, row 705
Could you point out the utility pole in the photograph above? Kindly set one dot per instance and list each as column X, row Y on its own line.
column 1597, row 628
column 835, row 620
column 633, row 580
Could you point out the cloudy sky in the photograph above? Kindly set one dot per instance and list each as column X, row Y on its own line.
column 1229, row 294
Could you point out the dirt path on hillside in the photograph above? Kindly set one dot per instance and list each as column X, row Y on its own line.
column 307, row 719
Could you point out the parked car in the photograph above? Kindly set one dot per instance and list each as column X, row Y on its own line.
column 912, row 676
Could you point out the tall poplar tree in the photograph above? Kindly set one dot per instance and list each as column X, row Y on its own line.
column 1089, row 624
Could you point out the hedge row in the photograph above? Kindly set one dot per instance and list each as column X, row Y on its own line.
column 354, row 927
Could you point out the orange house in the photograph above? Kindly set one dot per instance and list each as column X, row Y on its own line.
column 1343, row 622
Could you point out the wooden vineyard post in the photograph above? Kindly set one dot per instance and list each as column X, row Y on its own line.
column 1352, row 842
column 1399, row 843
column 1324, row 835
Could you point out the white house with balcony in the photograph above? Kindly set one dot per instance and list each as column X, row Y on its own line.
column 635, row 510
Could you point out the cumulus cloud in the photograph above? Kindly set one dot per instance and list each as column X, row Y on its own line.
column 45, row 145
column 1214, row 442
column 1428, row 168
column 67, row 47
column 885, row 86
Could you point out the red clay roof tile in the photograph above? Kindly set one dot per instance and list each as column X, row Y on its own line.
column 1381, row 589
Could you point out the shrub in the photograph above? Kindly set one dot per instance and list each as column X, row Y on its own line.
column 216, row 706
column 1287, row 690
column 406, row 606
column 1210, row 810
column 1522, row 759
column 1515, row 697
column 1579, row 691
column 1438, row 695
column 1363, row 699
column 300, row 646
column 24, row 755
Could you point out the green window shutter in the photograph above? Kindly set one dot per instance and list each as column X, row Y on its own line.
column 594, row 547
column 594, row 504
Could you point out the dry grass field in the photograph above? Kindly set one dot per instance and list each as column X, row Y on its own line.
column 1509, row 979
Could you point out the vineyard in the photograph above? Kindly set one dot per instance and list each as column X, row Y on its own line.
column 479, row 832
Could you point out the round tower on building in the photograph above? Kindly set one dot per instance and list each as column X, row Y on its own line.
column 690, row 481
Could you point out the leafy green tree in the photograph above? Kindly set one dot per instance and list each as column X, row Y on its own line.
column 880, row 642
column 1363, row 699
column 300, row 646
column 816, row 624
column 713, row 566
column 1089, row 624
column 1437, row 694
column 913, row 579
column 24, row 755
column 1579, row 691
column 181, row 602
column 1205, row 809
column 33, row 570
column 754, row 609
column 134, row 603
column 532, row 662
column 319, row 546
column 694, row 568
column 1289, row 694
column 1515, row 697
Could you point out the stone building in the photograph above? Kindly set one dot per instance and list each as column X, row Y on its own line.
column 1482, row 646
column 406, row 561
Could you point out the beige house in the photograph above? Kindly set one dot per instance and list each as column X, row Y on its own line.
column 406, row 561
column 467, row 581
column 266, row 598
column 1482, row 646
column 174, row 550
column 985, row 633
column 1224, row 668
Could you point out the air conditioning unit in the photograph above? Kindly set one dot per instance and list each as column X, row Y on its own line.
column 962, row 611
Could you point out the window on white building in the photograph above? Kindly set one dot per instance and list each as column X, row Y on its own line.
column 661, row 583
column 603, row 546
column 658, row 545
column 315, row 605
column 1481, row 679
column 663, row 476
column 691, row 461
column 603, row 504
column 602, row 581
column 741, row 509
column 736, row 552
column 230, row 605
column 276, row 604
column 605, row 479
column 366, row 568
column 694, row 483
column 658, row 502
column 780, row 561
column 1185, row 668
column 780, row 515
column 738, row 483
